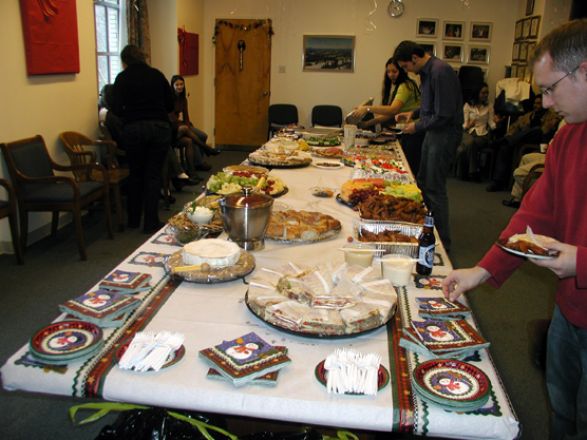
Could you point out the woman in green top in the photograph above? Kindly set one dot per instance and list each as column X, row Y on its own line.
column 400, row 93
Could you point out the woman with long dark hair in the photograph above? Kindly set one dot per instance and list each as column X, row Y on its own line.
column 399, row 93
column 180, row 118
column 479, row 121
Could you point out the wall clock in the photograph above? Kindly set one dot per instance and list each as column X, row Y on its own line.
column 395, row 8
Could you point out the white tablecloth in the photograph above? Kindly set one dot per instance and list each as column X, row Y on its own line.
column 208, row 314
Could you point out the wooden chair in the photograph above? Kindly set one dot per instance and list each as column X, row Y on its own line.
column 8, row 208
column 75, row 146
column 32, row 172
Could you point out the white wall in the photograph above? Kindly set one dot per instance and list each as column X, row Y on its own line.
column 44, row 104
column 374, row 44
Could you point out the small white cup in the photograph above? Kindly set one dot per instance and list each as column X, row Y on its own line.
column 543, row 148
column 397, row 269
column 350, row 132
column 358, row 258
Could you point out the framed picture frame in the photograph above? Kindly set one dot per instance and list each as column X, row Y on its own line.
column 529, row 7
column 534, row 27
column 427, row 27
column 521, row 72
column 514, row 71
column 453, row 52
column 480, row 31
column 530, row 50
column 453, row 30
column 479, row 54
column 519, row 28
column 329, row 53
column 516, row 51
column 523, row 54
column 526, row 28
column 429, row 46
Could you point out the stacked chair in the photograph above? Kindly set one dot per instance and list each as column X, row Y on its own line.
column 38, row 188
column 326, row 116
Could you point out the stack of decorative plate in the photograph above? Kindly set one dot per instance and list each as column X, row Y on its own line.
column 453, row 385
column 66, row 341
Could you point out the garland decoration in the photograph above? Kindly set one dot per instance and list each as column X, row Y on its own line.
column 243, row 27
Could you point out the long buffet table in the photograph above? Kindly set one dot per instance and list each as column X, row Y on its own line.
column 208, row 314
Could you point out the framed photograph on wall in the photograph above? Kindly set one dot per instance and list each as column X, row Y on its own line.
column 453, row 52
column 534, row 27
column 526, row 28
column 480, row 31
column 427, row 27
column 529, row 7
column 523, row 55
column 479, row 54
column 428, row 46
column 518, row 31
column 514, row 71
column 530, row 50
column 521, row 73
column 329, row 53
column 453, row 30
column 516, row 51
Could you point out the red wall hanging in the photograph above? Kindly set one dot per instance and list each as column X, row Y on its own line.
column 50, row 36
column 188, row 52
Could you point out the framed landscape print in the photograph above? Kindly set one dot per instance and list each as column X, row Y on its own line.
column 480, row 31
column 523, row 55
column 429, row 47
column 529, row 7
column 479, row 54
column 530, row 50
column 427, row 27
column 453, row 30
column 329, row 53
column 453, row 52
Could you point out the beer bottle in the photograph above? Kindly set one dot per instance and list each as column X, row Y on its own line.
column 426, row 246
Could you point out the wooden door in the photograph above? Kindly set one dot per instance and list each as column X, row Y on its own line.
column 242, row 81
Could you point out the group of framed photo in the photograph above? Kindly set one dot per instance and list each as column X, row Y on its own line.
column 525, row 36
column 453, row 33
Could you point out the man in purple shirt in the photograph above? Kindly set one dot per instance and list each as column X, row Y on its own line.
column 441, row 118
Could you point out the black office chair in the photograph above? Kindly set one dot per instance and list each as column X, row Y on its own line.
column 280, row 116
column 327, row 116
column 8, row 208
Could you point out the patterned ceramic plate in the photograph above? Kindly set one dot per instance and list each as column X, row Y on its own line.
column 66, row 339
column 451, row 380
column 382, row 375
column 172, row 359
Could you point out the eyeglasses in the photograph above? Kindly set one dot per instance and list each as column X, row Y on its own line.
column 547, row 91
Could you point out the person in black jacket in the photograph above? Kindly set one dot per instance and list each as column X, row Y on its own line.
column 143, row 99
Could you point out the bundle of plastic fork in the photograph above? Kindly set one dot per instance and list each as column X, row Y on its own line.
column 352, row 372
column 149, row 351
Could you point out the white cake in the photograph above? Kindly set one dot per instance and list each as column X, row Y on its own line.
column 212, row 251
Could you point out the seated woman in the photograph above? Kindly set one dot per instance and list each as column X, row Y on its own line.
column 480, row 120
column 400, row 93
column 180, row 119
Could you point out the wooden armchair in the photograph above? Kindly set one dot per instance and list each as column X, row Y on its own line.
column 75, row 146
column 8, row 208
column 32, row 172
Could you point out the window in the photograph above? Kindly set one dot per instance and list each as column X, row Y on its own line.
column 107, row 14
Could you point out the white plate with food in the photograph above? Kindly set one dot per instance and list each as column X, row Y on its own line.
column 328, row 165
column 528, row 245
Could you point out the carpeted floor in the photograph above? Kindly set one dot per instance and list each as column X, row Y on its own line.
column 53, row 273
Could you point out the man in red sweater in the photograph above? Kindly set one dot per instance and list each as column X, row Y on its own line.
column 556, row 206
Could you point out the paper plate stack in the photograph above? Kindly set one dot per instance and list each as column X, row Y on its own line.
column 453, row 385
column 64, row 342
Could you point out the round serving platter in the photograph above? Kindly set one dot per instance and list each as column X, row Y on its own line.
column 308, row 334
column 244, row 266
